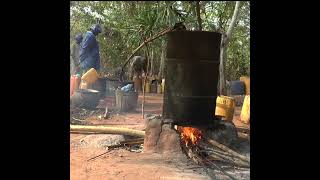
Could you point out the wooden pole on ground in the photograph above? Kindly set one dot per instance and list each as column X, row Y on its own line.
column 106, row 130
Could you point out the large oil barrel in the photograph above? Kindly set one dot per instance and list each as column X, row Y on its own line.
column 191, row 77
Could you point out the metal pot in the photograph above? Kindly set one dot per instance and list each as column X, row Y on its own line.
column 85, row 98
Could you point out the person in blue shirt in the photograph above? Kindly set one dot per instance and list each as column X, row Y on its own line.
column 89, row 50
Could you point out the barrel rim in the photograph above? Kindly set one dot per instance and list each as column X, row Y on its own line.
column 226, row 97
column 195, row 31
column 87, row 91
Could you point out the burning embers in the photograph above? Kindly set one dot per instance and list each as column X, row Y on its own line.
column 190, row 135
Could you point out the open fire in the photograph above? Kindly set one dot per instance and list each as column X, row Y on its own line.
column 190, row 135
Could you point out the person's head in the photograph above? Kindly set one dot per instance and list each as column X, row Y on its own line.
column 96, row 29
column 79, row 38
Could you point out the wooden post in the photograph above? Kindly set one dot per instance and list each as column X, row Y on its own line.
column 144, row 84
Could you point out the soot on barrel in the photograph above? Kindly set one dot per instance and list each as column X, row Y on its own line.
column 192, row 70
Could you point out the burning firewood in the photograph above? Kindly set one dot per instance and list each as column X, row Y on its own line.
column 216, row 154
column 199, row 149
column 190, row 135
column 225, row 148
column 228, row 159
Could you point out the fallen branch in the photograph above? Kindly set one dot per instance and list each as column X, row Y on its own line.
column 228, row 150
column 78, row 119
column 107, row 130
column 109, row 149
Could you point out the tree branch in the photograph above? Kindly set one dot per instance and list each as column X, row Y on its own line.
column 198, row 15
column 223, row 48
column 233, row 21
column 221, row 22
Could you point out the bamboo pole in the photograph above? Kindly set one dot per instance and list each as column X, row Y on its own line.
column 107, row 130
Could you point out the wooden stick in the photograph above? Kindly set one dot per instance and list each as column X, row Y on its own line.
column 220, row 169
column 109, row 149
column 229, row 159
column 78, row 119
column 221, row 152
column 217, row 154
column 225, row 148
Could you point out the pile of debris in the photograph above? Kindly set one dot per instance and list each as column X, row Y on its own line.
column 81, row 116
column 132, row 145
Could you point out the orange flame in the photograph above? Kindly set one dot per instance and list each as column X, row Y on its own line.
column 189, row 134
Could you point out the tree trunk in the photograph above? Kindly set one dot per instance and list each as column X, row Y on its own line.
column 233, row 21
column 223, row 49
column 222, row 80
column 161, row 68
column 151, row 63
column 198, row 15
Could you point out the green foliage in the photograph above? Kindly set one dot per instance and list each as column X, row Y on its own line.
column 128, row 22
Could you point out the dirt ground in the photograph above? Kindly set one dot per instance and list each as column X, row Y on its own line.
column 124, row 164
